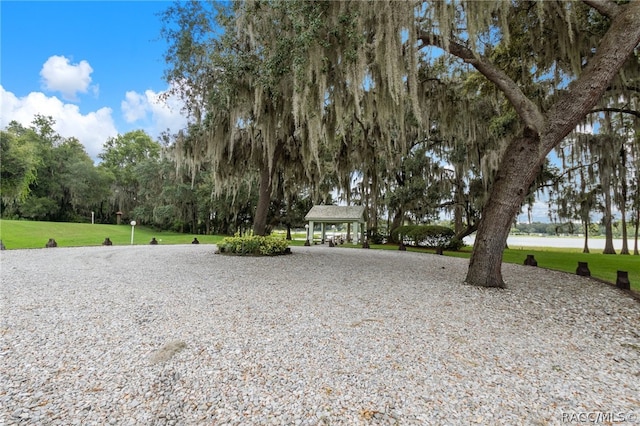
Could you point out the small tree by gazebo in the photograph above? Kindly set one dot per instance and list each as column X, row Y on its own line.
column 324, row 215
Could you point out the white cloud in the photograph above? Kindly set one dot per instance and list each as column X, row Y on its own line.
column 92, row 129
column 156, row 112
column 59, row 75
column 134, row 107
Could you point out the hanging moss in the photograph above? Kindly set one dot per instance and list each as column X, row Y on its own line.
column 292, row 83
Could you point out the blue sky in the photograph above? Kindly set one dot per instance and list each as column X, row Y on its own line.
column 95, row 66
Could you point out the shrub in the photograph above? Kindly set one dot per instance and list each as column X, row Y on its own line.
column 375, row 236
column 455, row 244
column 432, row 236
column 255, row 245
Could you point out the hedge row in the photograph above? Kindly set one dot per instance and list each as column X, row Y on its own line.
column 255, row 245
column 432, row 236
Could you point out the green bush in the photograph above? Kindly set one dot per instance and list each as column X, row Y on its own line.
column 255, row 245
column 375, row 236
column 455, row 244
column 432, row 236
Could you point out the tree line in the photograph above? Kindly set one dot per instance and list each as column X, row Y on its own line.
column 47, row 177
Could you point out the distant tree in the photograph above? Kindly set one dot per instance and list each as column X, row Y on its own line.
column 79, row 187
column 48, row 177
column 120, row 157
column 18, row 165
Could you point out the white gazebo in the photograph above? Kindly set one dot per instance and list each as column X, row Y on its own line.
column 323, row 215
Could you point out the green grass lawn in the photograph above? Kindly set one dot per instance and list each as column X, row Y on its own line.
column 602, row 266
column 17, row 234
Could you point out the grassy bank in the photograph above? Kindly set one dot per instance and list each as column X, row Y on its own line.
column 17, row 234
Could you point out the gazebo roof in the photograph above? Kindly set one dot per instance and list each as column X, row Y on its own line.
column 335, row 214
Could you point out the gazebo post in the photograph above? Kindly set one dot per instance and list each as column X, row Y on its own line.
column 311, row 232
column 323, row 232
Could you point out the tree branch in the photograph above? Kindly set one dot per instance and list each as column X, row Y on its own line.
column 625, row 88
column 526, row 109
column 604, row 7
column 622, row 110
column 559, row 178
column 470, row 229
column 584, row 93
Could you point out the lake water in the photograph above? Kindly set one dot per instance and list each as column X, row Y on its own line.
column 570, row 242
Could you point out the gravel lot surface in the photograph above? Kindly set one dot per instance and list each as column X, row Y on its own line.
column 160, row 335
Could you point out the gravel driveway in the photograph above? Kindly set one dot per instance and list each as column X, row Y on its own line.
column 155, row 335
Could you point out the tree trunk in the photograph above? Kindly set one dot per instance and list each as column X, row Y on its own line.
column 194, row 220
column 470, row 229
column 623, row 198
column 288, row 215
column 608, row 231
column 625, row 245
column 458, row 211
column 585, row 224
column 397, row 221
column 264, row 198
column 518, row 170
column 635, row 238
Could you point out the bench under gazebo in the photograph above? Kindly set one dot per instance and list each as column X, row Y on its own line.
column 322, row 214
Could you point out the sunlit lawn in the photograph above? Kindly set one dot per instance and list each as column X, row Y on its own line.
column 17, row 234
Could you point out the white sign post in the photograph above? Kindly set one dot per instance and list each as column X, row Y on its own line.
column 133, row 226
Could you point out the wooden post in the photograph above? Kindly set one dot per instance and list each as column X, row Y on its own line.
column 583, row 269
column 622, row 281
column 530, row 260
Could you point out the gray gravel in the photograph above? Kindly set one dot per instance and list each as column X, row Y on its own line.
column 157, row 335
